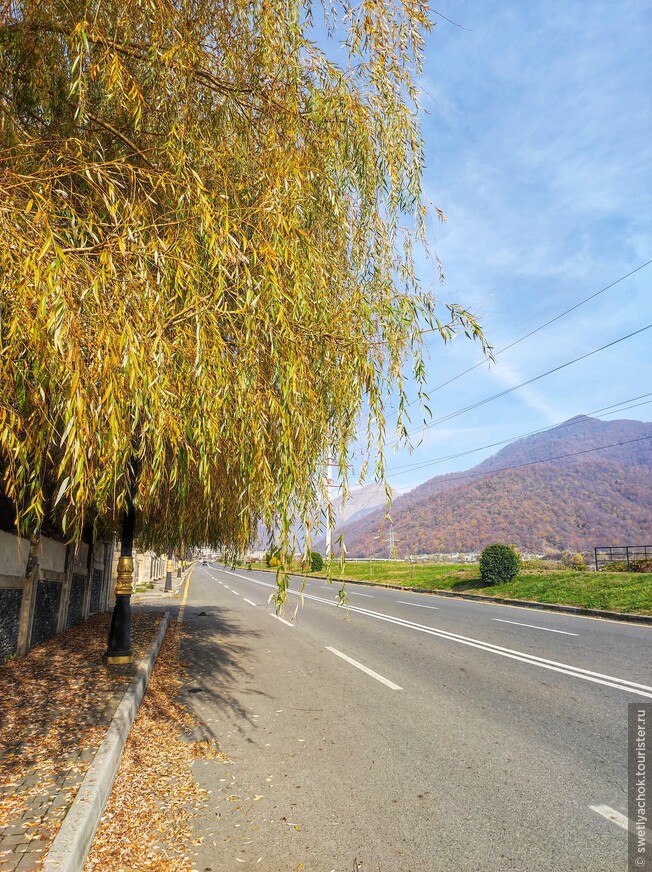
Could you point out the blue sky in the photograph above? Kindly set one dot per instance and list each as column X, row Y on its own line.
column 538, row 130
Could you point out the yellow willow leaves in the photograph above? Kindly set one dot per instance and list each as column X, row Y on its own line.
column 205, row 256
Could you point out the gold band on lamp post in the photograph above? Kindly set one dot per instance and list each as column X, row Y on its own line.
column 168, row 572
column 125, row 580
column 119, row 652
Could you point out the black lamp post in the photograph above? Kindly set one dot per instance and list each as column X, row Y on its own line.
column 119, row 647
column 168, row 570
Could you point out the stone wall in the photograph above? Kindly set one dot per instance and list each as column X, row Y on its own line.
column 76, row 599
column 46, row 611
column 97, row 579
column 10, row 602
column 47, row 586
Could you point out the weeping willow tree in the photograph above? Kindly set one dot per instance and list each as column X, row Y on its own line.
column 206, row 256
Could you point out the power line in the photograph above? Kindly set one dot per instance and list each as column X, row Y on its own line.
column 618, row 407
column 537, row 329
column 523, row 384
column 491, row 472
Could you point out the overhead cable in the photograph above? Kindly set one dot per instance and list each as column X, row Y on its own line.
column 485, row 474
column 616, row 407
column 537, row 329
column 523, row 384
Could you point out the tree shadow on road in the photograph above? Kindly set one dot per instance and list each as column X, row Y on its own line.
column 215, row 651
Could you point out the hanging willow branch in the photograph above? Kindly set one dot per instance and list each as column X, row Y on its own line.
column 201, row 246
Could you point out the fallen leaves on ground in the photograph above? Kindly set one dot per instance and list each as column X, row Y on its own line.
column 146, row 824
column 51, row 702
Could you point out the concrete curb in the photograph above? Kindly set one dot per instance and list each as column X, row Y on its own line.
column 72, row 843
column 502, row 601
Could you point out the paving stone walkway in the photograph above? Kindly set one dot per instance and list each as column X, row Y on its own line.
column 45, row 801
column 57, row 703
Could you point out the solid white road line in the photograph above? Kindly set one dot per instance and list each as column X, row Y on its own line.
column 417, row 605
column 612, row 815
column 534, row 627
column 366, row 669
column 282, row 620
column 248, row 601
column 553, row 665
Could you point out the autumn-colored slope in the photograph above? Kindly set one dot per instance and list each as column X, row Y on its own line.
column 594, row 498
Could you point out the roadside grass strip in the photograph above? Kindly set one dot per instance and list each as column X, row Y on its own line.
column 543, row 663
column 365, row 669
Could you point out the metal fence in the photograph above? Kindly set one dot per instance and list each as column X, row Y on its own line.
column 606, row 555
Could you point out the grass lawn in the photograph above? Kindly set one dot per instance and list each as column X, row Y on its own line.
column 613, row 591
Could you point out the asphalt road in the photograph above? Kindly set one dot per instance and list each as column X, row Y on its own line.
column 413, row 733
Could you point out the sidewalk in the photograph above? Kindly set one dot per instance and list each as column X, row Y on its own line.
column 158, row 589
column 57, row 704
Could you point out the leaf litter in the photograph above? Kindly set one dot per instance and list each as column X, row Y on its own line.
column 57, row 705
column 147, row 823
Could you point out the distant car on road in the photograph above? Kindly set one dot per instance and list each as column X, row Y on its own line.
column 204, row 563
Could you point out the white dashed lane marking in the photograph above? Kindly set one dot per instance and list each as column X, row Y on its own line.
column 365, row 669
column 534, row 627
column 612, row 815
column 621, row 684
column 282, row 620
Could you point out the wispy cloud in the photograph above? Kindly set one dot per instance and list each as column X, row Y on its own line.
column 537, row 149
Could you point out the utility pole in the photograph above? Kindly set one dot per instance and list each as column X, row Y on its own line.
column 329, row 512
column 329, row 484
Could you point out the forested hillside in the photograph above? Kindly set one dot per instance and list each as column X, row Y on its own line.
column 594, row 497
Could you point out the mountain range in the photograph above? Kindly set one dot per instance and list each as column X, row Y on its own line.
column 582, row 484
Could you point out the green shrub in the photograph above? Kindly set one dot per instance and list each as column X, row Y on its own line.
column 643, row 564
column 499, row 563
column 316, row 561
column 578, row 562
column 538, row 565
column 573, row 561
